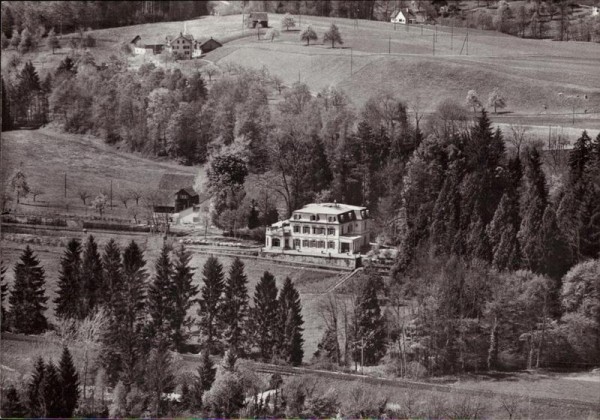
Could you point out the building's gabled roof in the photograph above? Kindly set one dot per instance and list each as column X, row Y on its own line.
column 187, row 37
column 189, row 191
column 259, row 15
column 174, row 182
column 206, row 41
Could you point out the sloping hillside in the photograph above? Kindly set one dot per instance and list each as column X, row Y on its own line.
column 411, row 61
column 89, row 164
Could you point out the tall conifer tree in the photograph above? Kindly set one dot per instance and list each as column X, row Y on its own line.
column 264, row 316
column 235, row 308
column 185, row 296
column 91, row 274
column 50, row 392
column 27, row 298
column 111, row 298
column 369, row 325
column 69, row 384
column 124, row 340
column 6, row 117
column 289, row 340
column 211, row 303
column 12, row 407
column 203, row 381
column 34, row 388
column 69, row 299
column 112, row 274
column 535, row 200
column 3, row 293
column 161, row 297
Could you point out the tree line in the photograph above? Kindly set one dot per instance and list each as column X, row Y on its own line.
column 147, row 318
column 493, row 272
column 70, row 16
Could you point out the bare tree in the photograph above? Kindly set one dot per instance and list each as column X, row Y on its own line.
column 417, row 107
column 511, row 404
column 84, row 195
column 136, row 195
column 100, row 203
column 124, row 197
column 88, row 336
column 328, row 310
column 518, row 136
column 35, row 191
column 211, row 70
column 277, row 82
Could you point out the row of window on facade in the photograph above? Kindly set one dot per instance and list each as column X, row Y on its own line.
column 305, row 243
column 315, row 230
column 332, row 219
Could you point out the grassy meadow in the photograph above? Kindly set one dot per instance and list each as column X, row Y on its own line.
column 89, row 164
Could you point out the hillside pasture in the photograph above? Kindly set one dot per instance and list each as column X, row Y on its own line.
column 89, row 164
column 536, row 77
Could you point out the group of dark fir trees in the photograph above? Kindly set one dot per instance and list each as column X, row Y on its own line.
column 498, row 273
column 486, row 250
column 52, row 391
column 149, row 317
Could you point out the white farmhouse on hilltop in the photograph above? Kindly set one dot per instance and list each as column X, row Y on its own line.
column 323, row 229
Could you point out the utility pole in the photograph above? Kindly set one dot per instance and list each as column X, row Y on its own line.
column 65, row 185
column 451, row 34
column 433, row 43
column 389, row 45
column 111, row 194
column 350, row 61
column 467, row 40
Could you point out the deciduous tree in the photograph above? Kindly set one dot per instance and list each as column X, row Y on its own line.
column 288, row 22
column 52, row 41
column 496, row 100
column 473, row 100
column 308, row 35
column 333, row 35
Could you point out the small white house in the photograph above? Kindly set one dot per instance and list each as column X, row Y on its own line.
column 399, row 18
column 595, row 11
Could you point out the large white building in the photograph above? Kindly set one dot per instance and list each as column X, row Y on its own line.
column 322, row 229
